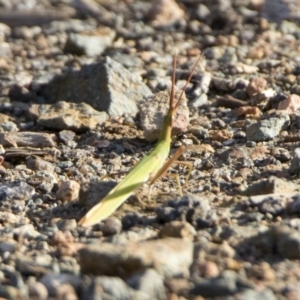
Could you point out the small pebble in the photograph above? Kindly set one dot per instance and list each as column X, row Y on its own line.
column 178, row 229
column 256, row 85
column 291, row 104
column 209, row 269
column 37, row 291
column 37, row 163
column 68, row 191
column 111, row 226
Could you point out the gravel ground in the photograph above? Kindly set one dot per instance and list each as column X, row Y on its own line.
column 83, row 87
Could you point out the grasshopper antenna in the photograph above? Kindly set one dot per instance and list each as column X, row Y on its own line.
column 188, row 80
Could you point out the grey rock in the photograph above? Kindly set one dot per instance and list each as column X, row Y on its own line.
column 66, row 136
column 37, row 290
column 90, row 44
column 294, row 223
column 106, row 86
column 227, row 284
column 272, row 185
column 213, row 53
column 33, row 20
column 5, row 49
column 66, row 224
column 202, row 12
column 37, row 163
column 127, row 60
column 8, row 246
column 250, row 144
column 293, row 206
column 204, row 82
column 274, row 204
column 261, row 243
column 156, row 72
column 239, row 156
column 132, row 236
column 282, row 240
column 167, row 214
column 23, row 152
column 73, row 116
column 15, row 279
column 150, row 282
column 53, row 282
column 109, row 288
column 295, row 89
column 238, row 231
column 288, row 243
column 38, row 266
column 16, row 190
column 276, row 11
column 26, row 231
column 295, row 162
column 132, row 219
column 38, row 83
column 16, row 206
column 169, row 257
column 27, row 139
column 199, row 101
column 268, row 63
column 68, row 264
column 199, row 131
column 229, row 56
column 47, row 181
column 5, row 30
column 265, row 294
column 65, row 164
column 111, row 226
column 281, row 154
column 267, row 129
column 8, row 126
column 115, row 287
column 190, row 207
column 10, row 292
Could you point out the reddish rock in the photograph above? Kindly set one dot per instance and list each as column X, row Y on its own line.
column 220, row 135
column 153, row 110
column 256, row 85
column 248, row 110
column 68, row 191
column 291, row 104
column 165, row 12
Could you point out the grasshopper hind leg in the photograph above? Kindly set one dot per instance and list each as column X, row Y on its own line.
column 176, row 175
column 189, row 166
column 163, row 171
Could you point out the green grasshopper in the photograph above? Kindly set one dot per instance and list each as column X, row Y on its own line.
column 149, row 169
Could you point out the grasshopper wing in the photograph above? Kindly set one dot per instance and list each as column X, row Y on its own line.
column 140, row 174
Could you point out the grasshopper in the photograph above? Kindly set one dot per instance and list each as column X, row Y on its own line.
column 149, row 169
